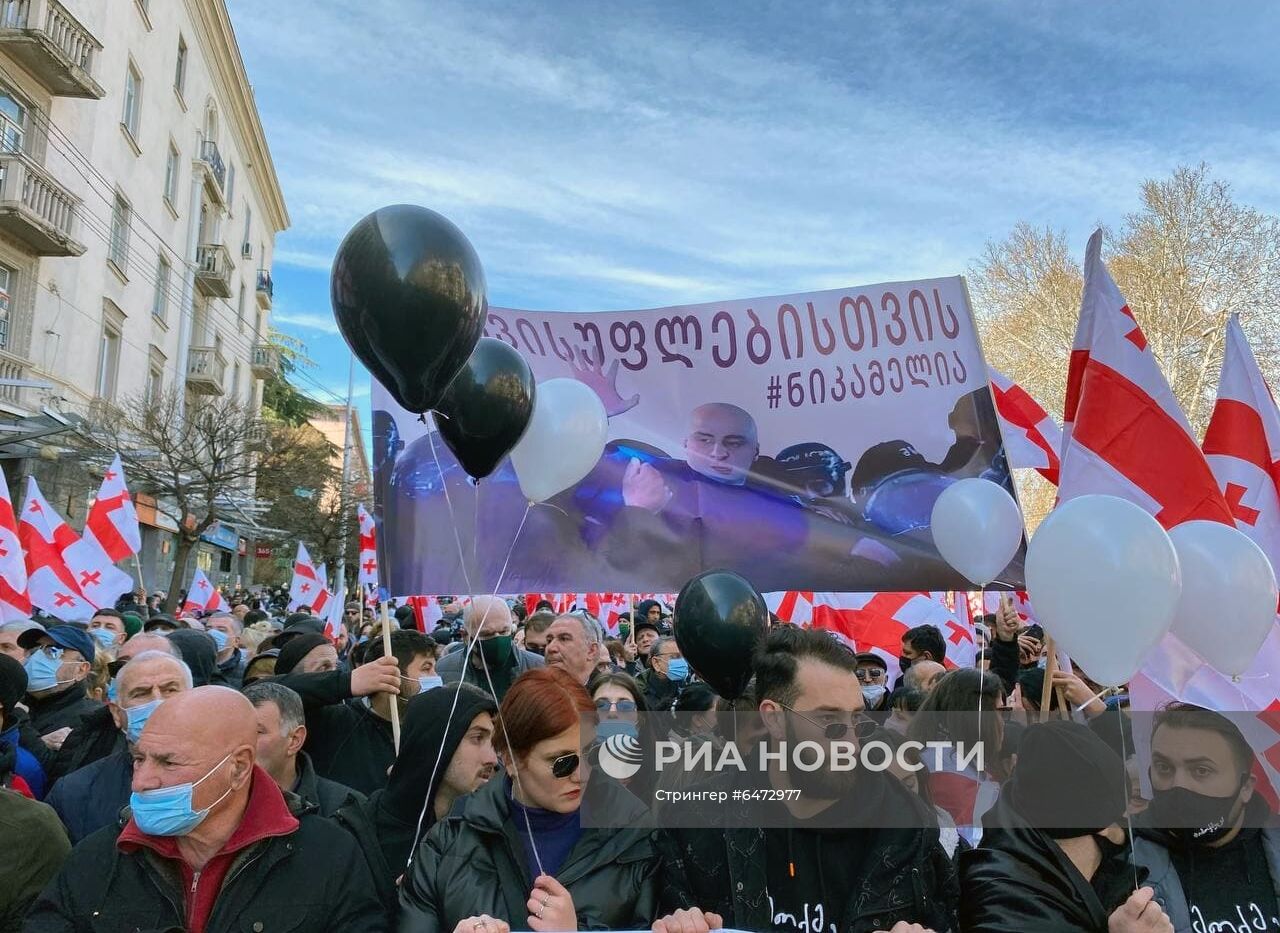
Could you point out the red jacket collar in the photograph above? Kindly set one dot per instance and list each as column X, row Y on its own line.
column 266, row 815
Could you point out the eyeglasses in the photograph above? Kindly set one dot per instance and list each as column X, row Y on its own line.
column 51, row 651
column 861, row 726
column 866, row 675
column 536, row 649
column 565, row 765
column 622, row 706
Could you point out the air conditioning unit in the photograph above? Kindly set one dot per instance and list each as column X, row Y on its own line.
column 246, row 251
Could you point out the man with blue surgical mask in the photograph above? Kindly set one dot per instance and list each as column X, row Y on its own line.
column 201, row 811
column 225, row 631
column 58, row 664
column 107, row 628
column 668, row 670
column 93, row 796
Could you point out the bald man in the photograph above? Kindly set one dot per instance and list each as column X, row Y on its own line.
column 495, row 660
column 92, row 796
column 210, row 843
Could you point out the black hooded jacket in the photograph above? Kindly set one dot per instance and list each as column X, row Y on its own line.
column 387, row 823
column 1019, row 879
column 200, row 653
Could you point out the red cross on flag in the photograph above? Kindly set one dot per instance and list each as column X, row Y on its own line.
column 1124, row 433
column 203, row 596
column 44, row 536
column 368, row 548
column 1032, row 439
column 876, row 622
column 322, row 599
column 15, row 604
column 112, row 524
column 306, row 582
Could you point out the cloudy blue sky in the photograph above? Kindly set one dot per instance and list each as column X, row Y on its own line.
column 608, row 155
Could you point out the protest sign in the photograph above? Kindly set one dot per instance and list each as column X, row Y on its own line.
column 798, row 440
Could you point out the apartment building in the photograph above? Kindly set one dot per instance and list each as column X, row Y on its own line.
column 138, row 212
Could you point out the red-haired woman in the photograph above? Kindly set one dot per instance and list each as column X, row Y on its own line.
column 514, row 855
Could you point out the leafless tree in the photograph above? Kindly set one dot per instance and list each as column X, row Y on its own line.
column 1187, row 260
column 200, row 461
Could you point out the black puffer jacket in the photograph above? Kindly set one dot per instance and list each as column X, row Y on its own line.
column 1018, row 879
column 95, row 738
column 472, row 863
column 908, row 876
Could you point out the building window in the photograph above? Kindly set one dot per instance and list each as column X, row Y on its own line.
column 6, row 304
column 13, row 123
column 171, row 175
column 180, row 69
column 235, row 383
column 231, row 185
column 120, row 216
column 160, row 304
column 155, row 378
column 132, row 101
column 240, row 308
column 108, row 362
column 248, row 218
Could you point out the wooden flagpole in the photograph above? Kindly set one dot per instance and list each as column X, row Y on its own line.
column 395, row 697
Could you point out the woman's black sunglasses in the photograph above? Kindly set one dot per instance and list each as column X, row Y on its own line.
column 565, row 765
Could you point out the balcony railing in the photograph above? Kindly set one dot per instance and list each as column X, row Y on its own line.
column 216, row 176
column 264, row 360
column 11, row 368
column 206, row 371
column 52, row 45
column 213, row 270
column 36, row 209
column 266, row 289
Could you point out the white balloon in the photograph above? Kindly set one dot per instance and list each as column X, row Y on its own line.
column 565, row 439
column 1228, row 601
column 1104, row 579
column 977, row 528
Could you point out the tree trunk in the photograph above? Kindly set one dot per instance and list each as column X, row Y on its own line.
column 178, row 577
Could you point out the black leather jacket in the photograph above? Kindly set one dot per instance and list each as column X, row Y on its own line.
column 472, row 863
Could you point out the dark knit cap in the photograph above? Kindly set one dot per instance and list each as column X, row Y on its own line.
column 13, row 682
column 296, row 649
column 1067, row 782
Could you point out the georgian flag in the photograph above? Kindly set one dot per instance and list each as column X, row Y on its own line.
column 368, row 548
column 15, row 603
column 203, row 596
column 1032, row 439
column 44, row 535
column 876, row 622
column 112, row 525
column 306, row 585
column 1124, row 433
column 324, row 599
column 1242, row 446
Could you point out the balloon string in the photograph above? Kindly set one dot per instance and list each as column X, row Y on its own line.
column 453, row 519
column 1128, row 817
column 466, row 659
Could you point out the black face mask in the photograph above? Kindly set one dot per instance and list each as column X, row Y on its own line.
column 1196, row 819
column 905, row 663
column 1107, row 848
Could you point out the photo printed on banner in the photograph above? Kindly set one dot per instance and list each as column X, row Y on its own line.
column 798, row 440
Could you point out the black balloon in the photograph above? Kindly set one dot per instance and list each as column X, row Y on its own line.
column 408, row 293
column 720, row 620
column 487, row 407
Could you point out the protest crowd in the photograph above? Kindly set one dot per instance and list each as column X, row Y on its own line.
column 258, row 762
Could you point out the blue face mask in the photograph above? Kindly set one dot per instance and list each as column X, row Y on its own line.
column 137, row 717
column 220, row 639
column 167, row 811
column 677, row 669
column 105, row 636
column 611, row 727
column 429, row 682
column 113, row 689
column 42, row 672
